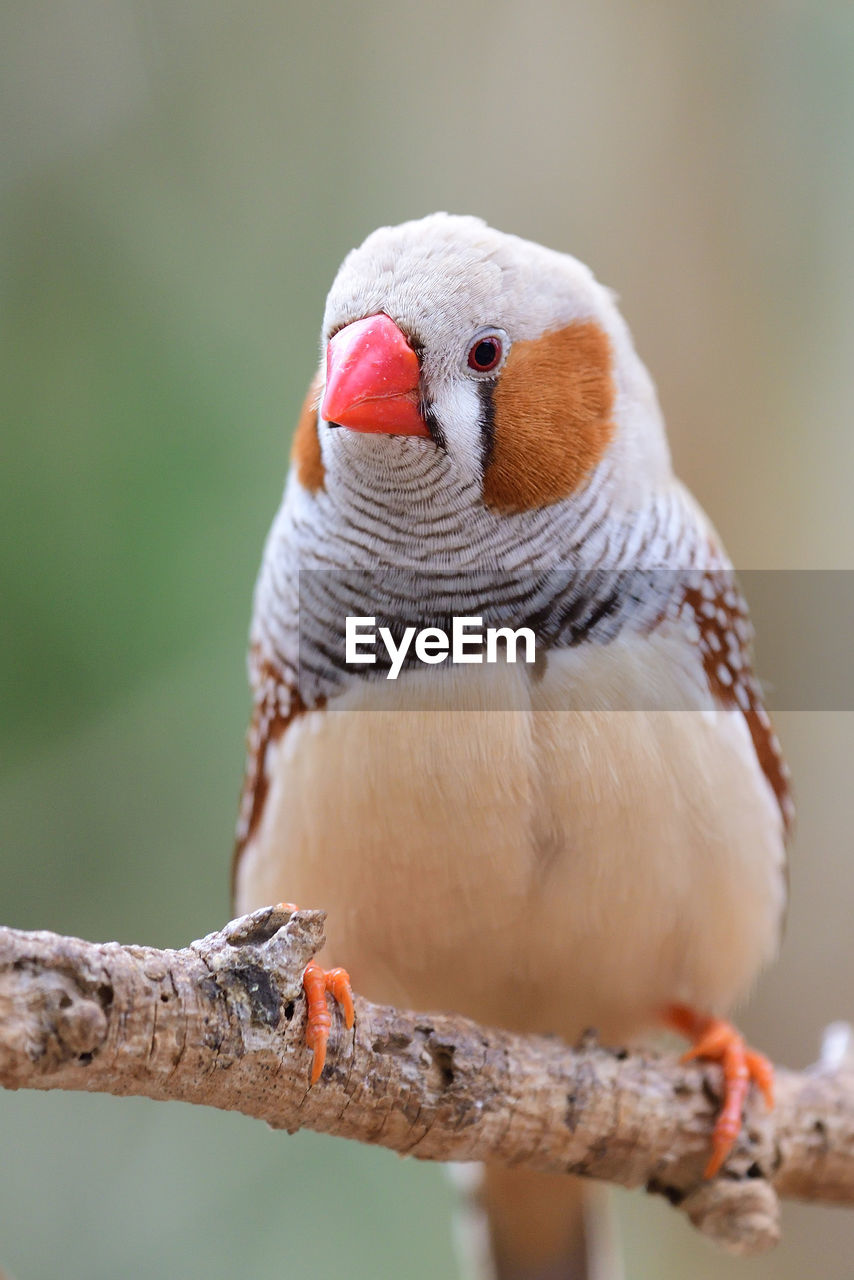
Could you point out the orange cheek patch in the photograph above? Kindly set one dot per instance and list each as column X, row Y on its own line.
column 305, row 451
column 552, row 418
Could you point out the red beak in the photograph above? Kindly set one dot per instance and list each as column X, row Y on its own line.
column 372, row 377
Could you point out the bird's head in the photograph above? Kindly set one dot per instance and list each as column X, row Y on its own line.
column 497, row 366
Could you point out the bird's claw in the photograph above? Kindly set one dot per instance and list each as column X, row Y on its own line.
column 718, row 1041
column 316, row 981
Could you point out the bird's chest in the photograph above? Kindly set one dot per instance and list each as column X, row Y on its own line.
column 511, row 848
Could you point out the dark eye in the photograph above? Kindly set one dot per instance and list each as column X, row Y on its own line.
column 485, row 354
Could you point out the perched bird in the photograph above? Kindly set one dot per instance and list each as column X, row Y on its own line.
column 482, row 440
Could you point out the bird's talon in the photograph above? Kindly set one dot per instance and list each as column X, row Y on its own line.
column 316, row 981
column 762, row 1073
column 718, row 1041
column 338, row 986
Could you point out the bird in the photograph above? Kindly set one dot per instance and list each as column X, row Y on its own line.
column 595, row 838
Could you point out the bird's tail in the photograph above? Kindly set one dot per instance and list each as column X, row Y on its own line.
column 520, row 1225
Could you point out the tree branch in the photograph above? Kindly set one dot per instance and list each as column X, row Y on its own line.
column 221, row 1023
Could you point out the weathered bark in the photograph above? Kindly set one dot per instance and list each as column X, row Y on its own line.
column 221, row 1023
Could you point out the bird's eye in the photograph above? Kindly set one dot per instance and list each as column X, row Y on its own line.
column 485, row 353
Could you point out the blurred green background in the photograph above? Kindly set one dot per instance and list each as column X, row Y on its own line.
column 178, row 183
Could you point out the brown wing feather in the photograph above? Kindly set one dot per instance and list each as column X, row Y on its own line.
column 725, row 639
column 276, row 706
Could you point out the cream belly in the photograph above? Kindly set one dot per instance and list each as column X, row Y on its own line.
column 542, row 867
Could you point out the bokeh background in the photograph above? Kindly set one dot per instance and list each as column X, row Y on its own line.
column 178, row 183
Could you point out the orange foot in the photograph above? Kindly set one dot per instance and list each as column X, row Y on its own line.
column 316, row 981
column 720, row 1042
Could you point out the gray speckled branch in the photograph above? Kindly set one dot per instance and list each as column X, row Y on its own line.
column 221, row 1023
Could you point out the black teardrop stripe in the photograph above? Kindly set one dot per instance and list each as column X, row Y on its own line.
column 487, row 423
